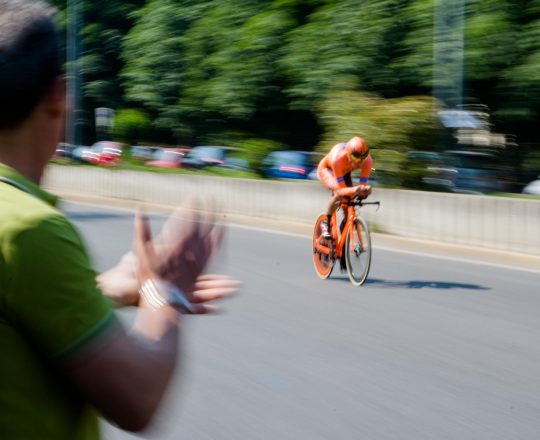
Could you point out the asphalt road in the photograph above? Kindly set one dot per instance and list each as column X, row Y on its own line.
column 427, row 349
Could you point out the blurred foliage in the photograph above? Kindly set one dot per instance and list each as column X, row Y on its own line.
column 255, row 150
column 388, row 166
column 341, row 39
column 412, row 175
column 399, row 123
column 131, row 126
column 531, row 165
column 310, row 73
column 103, row 24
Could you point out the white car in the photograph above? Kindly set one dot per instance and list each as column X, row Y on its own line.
column 532, row 187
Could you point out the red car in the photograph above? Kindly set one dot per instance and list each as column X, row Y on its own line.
column 169, row 158
column 103, row 153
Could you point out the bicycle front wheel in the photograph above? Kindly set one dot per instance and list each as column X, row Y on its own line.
column 358, row 252
column 323, row 251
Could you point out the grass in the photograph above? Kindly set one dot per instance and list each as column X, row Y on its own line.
column 517, row 196
column 131, row 164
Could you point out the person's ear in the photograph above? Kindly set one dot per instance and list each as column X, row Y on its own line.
column 55, row 99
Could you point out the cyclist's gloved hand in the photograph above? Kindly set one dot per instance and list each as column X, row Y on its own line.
column 363, row 190
column 346, row 192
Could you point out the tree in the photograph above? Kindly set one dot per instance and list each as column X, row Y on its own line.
column 131, row 126
column 340, row 40
column 397, row 124
column 154, row 56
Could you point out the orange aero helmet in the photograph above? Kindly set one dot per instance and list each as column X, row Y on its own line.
column 358, row 148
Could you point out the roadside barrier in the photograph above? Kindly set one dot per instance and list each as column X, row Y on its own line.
column 501, row 223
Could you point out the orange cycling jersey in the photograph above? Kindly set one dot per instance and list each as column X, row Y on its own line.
column 335, row 168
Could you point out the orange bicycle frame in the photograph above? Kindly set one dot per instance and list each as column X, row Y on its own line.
column 339, row 237
column 347, row 229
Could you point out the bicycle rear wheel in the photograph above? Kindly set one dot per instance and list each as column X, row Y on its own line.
column 323, row 251
column 358, row 252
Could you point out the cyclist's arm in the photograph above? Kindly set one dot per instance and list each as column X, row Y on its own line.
column 365, row 170
column 342, row 189
column 345, row 191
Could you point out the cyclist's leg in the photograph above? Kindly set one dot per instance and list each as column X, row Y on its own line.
column 329, row 181
column 348, row 181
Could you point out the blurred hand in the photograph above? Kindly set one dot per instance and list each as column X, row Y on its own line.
column 120, row 282
column 143, row 248
column 211, row 288
column 178, row 255
column 185, row 246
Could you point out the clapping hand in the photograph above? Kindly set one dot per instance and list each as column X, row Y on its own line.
column 182, row 251
column 178, row 255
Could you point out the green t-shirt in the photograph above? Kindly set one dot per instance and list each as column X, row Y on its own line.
column 50, row 306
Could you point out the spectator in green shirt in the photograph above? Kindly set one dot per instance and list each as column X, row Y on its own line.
column 65, row 356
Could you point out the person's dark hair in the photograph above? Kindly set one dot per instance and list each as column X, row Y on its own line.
column 29, row 57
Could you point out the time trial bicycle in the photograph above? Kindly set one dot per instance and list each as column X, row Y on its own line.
column 350, row 243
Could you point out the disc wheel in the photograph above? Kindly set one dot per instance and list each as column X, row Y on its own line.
column 323, row 262
column 358, row 252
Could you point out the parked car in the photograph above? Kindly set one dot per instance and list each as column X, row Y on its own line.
column 235, row 163
column 64, row 150
column 105, row 153
column 428, row 170
column 145, row 153
column 532, row 188
column 289, row 164
column 476, row 171
column 206, row 155
column 168, row 158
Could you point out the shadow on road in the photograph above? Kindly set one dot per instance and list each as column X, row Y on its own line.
column 95, row 215
column 418, row 284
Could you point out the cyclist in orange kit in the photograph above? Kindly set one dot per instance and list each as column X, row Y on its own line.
column 334, row 171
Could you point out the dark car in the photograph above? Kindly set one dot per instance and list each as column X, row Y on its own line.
column 428, row 170
column 206, row 155
column 64, row 150
column 476, row 171
column 289, row 164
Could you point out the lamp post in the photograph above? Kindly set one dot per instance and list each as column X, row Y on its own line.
column 449, row 51
column 72, row 133
column 104, row 120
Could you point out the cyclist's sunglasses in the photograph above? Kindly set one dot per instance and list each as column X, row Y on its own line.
column 357, row 156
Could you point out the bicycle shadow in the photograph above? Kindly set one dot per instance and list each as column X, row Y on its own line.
column 416, row 284
column 420, row 284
